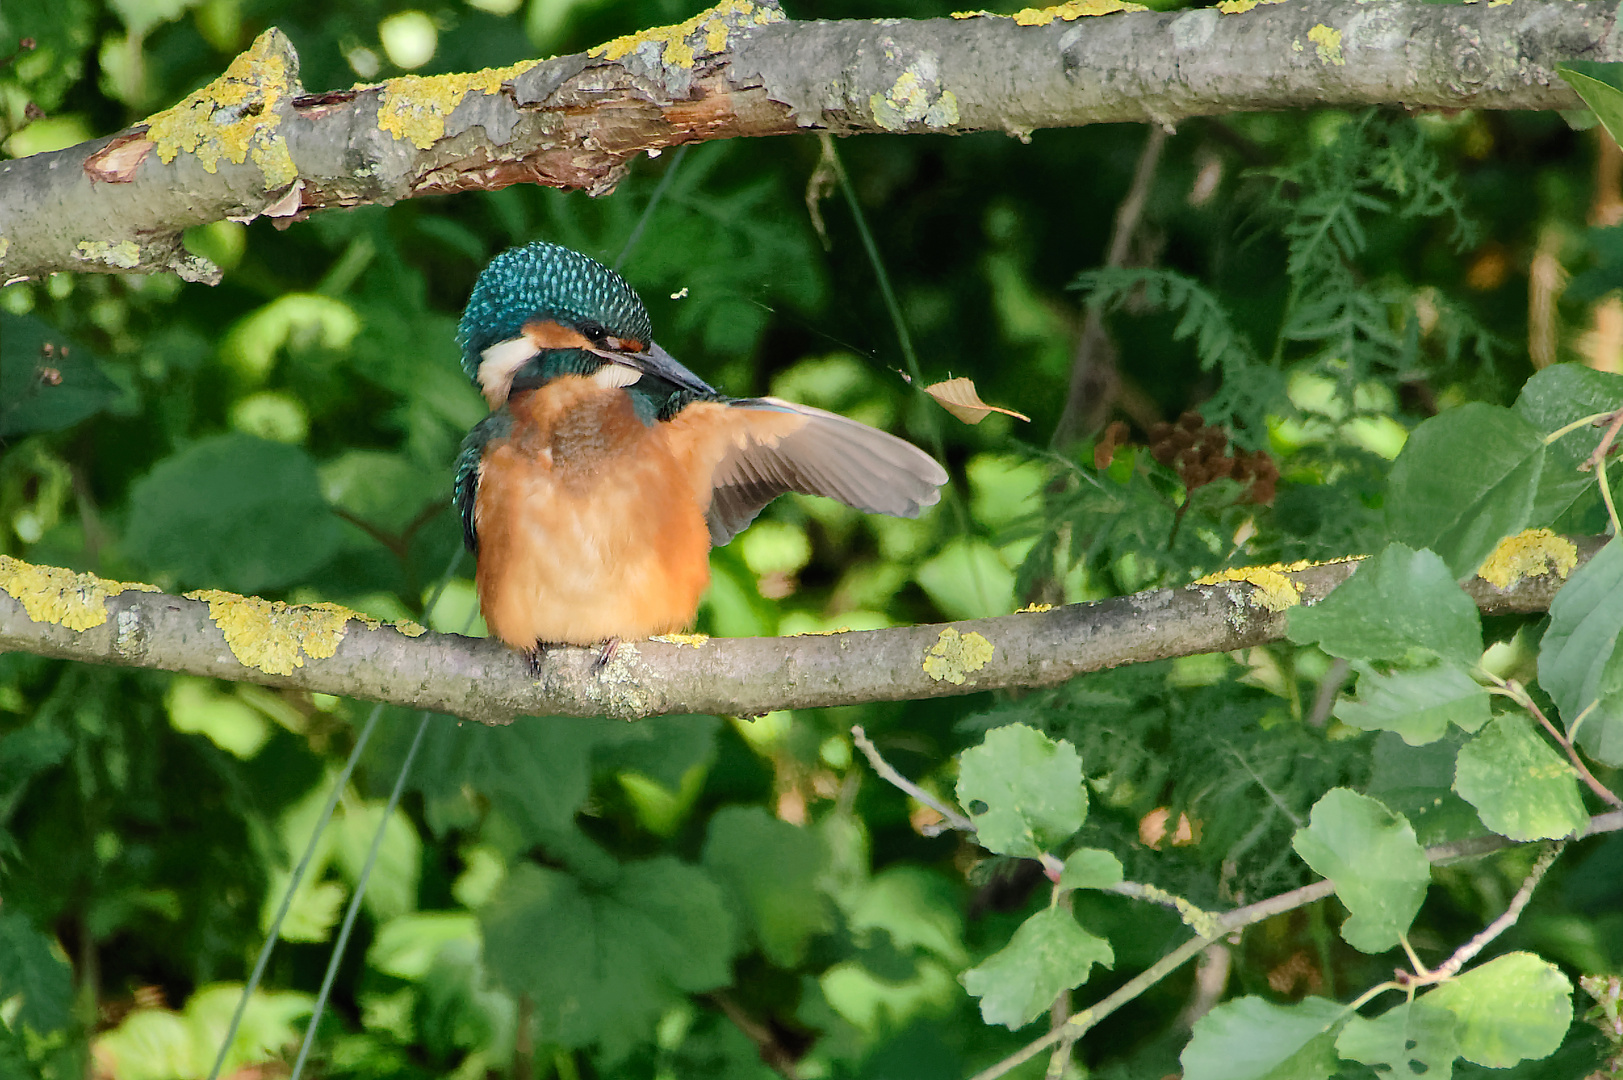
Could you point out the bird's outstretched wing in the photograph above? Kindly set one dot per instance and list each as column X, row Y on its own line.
column 780, row 447
column 466, row 488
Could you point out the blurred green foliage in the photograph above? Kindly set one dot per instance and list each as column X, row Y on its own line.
column 694, row 896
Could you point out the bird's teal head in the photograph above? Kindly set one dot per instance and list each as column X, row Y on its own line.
column 542, row 296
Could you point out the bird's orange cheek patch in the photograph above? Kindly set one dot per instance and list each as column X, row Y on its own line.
column 546, row 334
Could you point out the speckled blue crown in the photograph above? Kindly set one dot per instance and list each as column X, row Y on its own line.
column 545, row 281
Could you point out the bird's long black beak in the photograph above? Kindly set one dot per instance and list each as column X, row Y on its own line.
column 660, row 364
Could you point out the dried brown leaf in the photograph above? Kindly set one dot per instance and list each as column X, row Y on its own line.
column 959, row 397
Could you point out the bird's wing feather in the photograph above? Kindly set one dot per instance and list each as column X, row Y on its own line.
column 468, row 464
column 779, row 447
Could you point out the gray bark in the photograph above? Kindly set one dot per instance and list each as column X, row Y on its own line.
column 482, row 680
column 254, row 142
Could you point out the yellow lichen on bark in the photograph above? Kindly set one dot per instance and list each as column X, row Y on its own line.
column 955, row 655
column 715, row 23
column 275, row 637
column 1528, row 554
column 52, row 594
column 234, row 116
column 415, row 107
column 1273, row 590
column 1327, row 40
column 1240, row 7
column 692, row 641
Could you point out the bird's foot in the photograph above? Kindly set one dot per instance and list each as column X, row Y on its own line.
column 533, row 656
column 610, row 647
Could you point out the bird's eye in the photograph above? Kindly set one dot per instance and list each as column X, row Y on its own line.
column 594, row 332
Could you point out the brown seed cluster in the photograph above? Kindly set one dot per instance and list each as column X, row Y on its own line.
column 1200, row 454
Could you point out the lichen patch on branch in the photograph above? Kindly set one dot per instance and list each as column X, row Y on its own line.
column 1068, row 11
column 954, row 656
column 1272, row 589
column 415, row 107
column 1327, row 40
column 916, row 96
column 125, row 255
column 52, row 594
column 275, row 637
column 1240, row 7
column 235, row 116
column 671, row 45
column 1530, row 553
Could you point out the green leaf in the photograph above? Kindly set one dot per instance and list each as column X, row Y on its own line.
column 1402, row 606
column 406, row 946
column 1601, row 86
column 1090, row 868
column 1377, row 866
column 1412, row 1039
column 1553, row 398
column 1578, row 663
column 604, row 963
column 1520, row 786
column 1418, row 705
column 1253, row 1039
column 233, row 512
column 1049, row 953
column 1023, row 790
column 42, row 391
column 392, row 889
column 773, row 869
column 30, row 965
column 1517, row 1006
column 1465, row 479
column 538, row 770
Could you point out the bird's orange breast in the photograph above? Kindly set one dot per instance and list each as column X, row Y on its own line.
column 591, row 524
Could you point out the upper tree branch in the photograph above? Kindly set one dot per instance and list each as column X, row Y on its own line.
column 314, row 649
column 254, row 142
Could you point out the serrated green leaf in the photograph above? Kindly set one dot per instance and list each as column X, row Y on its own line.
column 1598, row 83
column 1402, row 605
column 539, row 770
column 1465, row 480
column 1090, row 868
column 29, row 966
column 1553, row 398
column 773, row 869
column 1049, row 953
column 606, row 962
column 1577, row 660
column 1412, row 1039
column 406, row 946
column 234, row 512
column 1418, row 705
column 392, row 888
column 1521, row 788
column 1372, row 857
column 1023, row 790
column 1514, row 1007
column 1253, row 1039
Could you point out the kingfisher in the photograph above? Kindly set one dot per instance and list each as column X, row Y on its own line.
column 605, row 472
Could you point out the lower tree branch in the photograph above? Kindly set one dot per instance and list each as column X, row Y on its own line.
column 327, row 649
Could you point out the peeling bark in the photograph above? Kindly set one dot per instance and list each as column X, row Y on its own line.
column 255, row 142
column 482, row 680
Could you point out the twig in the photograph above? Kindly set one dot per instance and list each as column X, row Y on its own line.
column 1462, row 956
column 774, row 1054
column 953, row 819
column 1597, row 461
column 1239, row 918
column 1518, row 693
column 1329, row 687
column 1095, row 379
